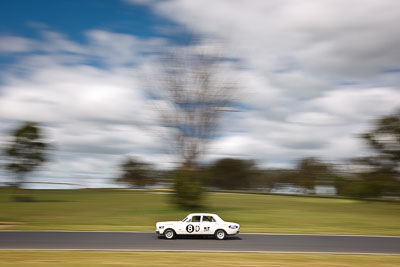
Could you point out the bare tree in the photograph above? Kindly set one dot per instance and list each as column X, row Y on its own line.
column 193, row 89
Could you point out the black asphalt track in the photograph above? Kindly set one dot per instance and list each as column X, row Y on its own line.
column 242, row 242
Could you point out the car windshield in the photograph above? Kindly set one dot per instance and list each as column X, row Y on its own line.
column 184, row 219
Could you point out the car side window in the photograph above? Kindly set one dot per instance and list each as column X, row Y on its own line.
column 208, row 219
column 196, row 218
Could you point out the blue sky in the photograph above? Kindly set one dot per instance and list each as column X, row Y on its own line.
column 72, row 18
column 312, row 74
column 23, row 17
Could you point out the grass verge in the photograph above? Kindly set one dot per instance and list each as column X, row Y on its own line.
column 126, row 210
column 107, row 258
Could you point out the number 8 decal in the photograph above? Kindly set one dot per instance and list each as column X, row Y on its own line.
column 189, row 228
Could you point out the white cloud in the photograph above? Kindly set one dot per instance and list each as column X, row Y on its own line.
column 300, row 84
column 325, row 37
column 94, row 115
column 359, row 104
column 313, row 75
column 14, row 44
column 298, row 55
column 120, row 49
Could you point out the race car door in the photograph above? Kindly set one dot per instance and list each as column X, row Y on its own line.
column 193, row 225
column 208, row 225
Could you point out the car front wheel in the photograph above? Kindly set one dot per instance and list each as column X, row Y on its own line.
column 169, row 234
column 220, row 234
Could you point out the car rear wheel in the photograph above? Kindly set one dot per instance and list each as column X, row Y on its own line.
column 169, row 234
column 220, row 234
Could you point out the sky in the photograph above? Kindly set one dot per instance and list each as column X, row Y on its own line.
column 312, row 76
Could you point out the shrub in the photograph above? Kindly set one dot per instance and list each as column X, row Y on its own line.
column 362, row 189
column 188, row 187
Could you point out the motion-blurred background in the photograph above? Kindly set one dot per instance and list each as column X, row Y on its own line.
column 283, row 116
column 175, row 102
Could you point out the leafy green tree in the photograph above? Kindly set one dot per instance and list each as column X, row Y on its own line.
column 26, row 152
column 229, row 173
column 384, row 138
column 311, row 171
column 381, row 170
column 383, row 167
column 136, row 173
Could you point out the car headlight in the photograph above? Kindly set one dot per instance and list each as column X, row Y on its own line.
column 160, row 227
column 233, row 226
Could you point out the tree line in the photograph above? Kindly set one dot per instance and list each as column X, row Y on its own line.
column 242, row 174
column 368, row 177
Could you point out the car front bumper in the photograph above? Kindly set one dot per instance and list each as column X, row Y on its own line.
column 232, row 231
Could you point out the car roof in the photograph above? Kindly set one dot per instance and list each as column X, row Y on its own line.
column 202, row 214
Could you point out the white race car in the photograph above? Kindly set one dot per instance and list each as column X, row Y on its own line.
column 198, row 224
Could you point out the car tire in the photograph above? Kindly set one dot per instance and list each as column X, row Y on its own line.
column 220, row 234
column 169, row 234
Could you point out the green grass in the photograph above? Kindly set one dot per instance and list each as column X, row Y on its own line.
column 102, row 258
column 126, row 210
